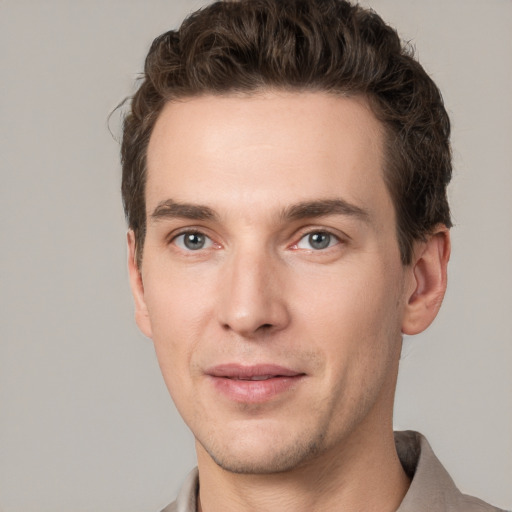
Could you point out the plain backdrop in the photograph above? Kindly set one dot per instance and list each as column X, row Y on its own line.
column 85, row 420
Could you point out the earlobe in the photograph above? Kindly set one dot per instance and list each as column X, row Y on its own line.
column 137, row 287
column 429, row 278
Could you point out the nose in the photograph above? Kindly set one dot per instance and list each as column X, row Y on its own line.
column 252, row 297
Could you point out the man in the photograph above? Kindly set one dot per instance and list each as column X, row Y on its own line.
column 285, row 166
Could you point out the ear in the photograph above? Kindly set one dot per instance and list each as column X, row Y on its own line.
column 137, row 286
column 428, row 281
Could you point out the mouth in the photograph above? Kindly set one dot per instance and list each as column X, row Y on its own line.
column 256, row 377
column 253, row 384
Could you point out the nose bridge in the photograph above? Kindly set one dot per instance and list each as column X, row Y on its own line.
column 252, row 298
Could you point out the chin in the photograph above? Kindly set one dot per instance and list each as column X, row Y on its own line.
column 270, row 455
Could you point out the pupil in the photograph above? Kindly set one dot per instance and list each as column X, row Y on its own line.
column 194, row 241
column 319, row 240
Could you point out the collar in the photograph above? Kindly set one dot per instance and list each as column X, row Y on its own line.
column 431, row 489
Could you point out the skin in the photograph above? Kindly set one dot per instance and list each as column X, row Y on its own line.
column 237, row 173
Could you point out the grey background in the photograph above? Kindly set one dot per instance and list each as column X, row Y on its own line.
column 85, row 420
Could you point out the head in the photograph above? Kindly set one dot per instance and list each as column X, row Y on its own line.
column 284, row 178
column 301, row 45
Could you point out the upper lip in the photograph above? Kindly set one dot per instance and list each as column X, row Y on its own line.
column 240, row 371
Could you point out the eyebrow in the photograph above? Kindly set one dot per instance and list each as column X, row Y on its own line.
column 322, row 208
column 170, row 209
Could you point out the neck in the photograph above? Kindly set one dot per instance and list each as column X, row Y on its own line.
column 363, row 474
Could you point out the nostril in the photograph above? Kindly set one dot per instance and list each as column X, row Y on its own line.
column 263, row 328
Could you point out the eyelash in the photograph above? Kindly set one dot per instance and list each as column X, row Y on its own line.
column 295, row 246
column 190, row 233
column 333, row 240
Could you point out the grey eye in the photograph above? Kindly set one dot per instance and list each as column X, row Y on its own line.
column 192, row 241
column 319, row 240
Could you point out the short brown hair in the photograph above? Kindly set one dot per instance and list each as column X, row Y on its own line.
column 301, row 45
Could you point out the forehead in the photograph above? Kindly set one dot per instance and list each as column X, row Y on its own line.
column 267, row 149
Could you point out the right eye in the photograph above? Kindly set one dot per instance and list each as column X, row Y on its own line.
column 193, row 241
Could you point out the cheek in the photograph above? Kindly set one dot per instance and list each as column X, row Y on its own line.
column 354, row 317
column 179, row 307
column 176, row 297
column 348, row 299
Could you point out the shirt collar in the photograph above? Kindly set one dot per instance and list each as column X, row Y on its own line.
column 431, row 486
column 431, row 489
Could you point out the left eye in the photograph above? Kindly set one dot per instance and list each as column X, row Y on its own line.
column 317, row 240
column 193, row 241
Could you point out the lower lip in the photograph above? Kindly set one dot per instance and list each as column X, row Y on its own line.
column 255, row 391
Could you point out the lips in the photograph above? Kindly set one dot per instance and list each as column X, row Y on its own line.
column 253, row 384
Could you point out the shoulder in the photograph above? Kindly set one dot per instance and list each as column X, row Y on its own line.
column 187, row 497
column 172, row 507
column 432, row 489
column 472, row 504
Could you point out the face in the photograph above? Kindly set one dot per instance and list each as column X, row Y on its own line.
column 271, row 282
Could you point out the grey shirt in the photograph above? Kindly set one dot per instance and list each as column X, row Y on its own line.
column 431, row 489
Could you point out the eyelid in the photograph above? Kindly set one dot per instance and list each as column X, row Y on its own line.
column 208, row 242
column 340, row 237
column 174, row 235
